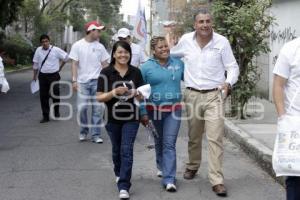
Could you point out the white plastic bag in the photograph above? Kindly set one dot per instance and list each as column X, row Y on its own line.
column 5, row 85
column 34, row 86
column 286, row 155
column 145, row 90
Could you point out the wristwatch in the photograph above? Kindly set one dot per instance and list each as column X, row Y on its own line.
column 229, row 89
column 74, row 80
column 229, row 86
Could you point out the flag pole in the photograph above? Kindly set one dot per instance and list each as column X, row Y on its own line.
column 151, row 22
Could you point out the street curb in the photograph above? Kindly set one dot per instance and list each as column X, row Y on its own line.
column 18, row 70
column 253, row 148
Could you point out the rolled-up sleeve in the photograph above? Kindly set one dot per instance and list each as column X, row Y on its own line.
column 282, row 66
column 104, row 55
column 62, row 55
column 74, row 55
column 179, row 49
column 35, row 60
column 230, row 64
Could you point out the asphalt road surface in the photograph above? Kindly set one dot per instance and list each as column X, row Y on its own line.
column 46, row 161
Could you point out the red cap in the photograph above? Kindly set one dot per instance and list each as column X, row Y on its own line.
column 93, row 25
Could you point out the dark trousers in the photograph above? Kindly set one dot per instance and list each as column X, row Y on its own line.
column 122, row 137
column 293, row 188
column 45, row 81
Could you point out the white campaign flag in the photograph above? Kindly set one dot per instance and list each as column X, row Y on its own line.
column 140, row 28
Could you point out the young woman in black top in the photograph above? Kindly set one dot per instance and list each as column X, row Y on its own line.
column 117, row 89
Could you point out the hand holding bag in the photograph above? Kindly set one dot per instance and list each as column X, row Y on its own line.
column 5, row 86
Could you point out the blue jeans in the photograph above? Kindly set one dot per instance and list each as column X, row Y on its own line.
column 122, row 137
column 167, row 127
column 293, row 188
column 87, row 96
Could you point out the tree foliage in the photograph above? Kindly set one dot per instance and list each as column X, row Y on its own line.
column 9, row 11
column 246, row 24
column 51, row 16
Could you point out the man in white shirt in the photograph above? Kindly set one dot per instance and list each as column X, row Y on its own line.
column 286, row 95
column 207, row 56
column 89, row 57
column 48, row 60
column 1, row 73
column 138, row 54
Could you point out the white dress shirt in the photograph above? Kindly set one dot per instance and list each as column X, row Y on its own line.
column 52, row 63
column 90, row 55
column 205, row 68
column 288, row 67
column 138, row 55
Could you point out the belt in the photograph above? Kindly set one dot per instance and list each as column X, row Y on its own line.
column 41, row 73
column 202, row 91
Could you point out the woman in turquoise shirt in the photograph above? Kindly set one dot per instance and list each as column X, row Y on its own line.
column 164, row 73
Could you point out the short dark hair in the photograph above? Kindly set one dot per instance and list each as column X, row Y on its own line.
column 154, row 41
column 203, row 11
column 44, row 36
column 125, row 46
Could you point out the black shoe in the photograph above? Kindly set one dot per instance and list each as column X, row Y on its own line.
column 189, row 174
column 44, row 120
column 220, row 190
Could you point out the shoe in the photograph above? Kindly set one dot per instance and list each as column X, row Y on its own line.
column 171, row 187
column 82, row 137
column 124, row 194
column 117, row 179
column 159, row 174
column 97, row 140
column 189, row 174
column 220, row 190
column 44, row 120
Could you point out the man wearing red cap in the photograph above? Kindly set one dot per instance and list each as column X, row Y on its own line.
column 88, row 56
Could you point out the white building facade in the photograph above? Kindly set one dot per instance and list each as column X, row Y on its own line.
column 287, row 27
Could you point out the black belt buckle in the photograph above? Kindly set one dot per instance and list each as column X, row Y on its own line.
column 202, row 91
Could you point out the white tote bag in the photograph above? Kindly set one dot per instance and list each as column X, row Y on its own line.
column 286, row 155
column 5, row 85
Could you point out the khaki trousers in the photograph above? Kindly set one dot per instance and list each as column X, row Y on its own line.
column 205, row 112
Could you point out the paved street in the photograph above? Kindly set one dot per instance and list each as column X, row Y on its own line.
column 46, row 161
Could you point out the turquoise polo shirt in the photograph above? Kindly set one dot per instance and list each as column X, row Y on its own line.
column 165, row 81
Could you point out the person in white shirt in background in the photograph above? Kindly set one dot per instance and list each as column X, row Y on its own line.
column 89, row 57
column 1, row 73
column 138, row 54
column 207, row 56
column 286, row 95
column 48, row 61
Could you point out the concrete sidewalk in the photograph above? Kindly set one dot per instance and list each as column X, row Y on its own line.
column 256, row 135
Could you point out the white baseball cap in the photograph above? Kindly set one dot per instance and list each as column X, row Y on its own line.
column 123, row 33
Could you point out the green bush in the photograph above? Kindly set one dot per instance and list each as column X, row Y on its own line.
column 246, row 25
column 17, row 48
